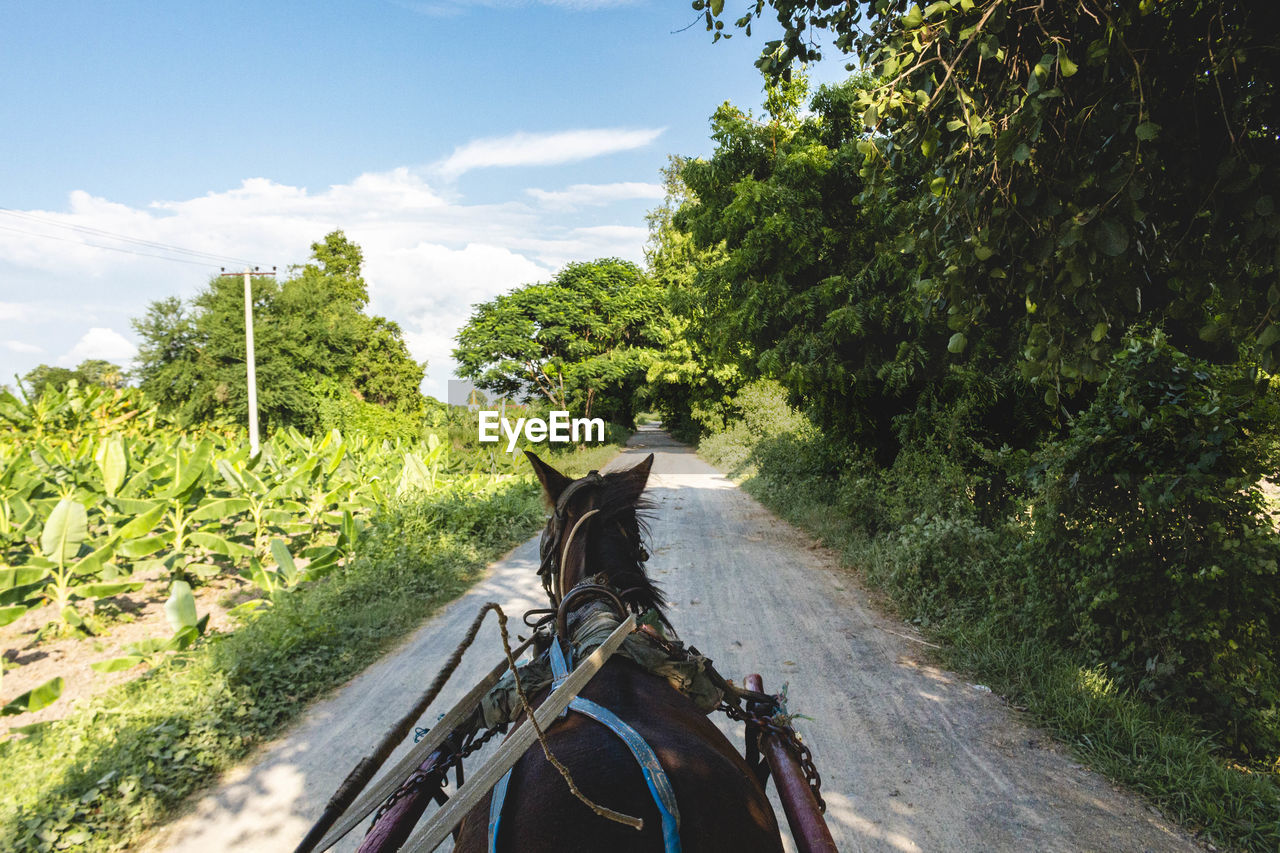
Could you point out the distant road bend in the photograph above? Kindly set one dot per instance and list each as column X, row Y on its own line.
column 912, row 758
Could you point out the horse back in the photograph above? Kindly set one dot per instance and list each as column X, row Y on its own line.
column 722, row 806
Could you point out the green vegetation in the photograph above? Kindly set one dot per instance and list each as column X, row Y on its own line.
column 336, row 542
column 912, row 531
column 343, row 543
column 323, row 356
column 94, row 495
column 118, row 765
column 94, row 371
column 582, row 340
column 1007, row 299
column 1099, row 164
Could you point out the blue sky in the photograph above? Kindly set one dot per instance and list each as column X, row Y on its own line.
column 468, row 145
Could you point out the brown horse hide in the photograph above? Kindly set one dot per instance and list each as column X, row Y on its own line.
column 722, row 807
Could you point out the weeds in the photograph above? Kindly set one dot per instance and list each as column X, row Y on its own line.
column 911, row 532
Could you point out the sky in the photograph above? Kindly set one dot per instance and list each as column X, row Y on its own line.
column 468, row 146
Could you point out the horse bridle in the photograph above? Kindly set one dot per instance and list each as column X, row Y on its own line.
column 553, row 537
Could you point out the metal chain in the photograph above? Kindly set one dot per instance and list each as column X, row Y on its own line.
column 790, row 739
column 417, row 781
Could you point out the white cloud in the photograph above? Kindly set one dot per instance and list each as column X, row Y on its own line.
column 433, row 287
column 100, row 343
column 596, row 195
column 428, row 258
column 20, row 346
column 12, row 312
column 542, row 149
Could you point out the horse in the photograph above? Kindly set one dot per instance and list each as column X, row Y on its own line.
column 596, row 532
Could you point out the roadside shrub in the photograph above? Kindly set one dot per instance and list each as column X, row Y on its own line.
column 1152, row 548
column 759, row 414
column 927, row 481
column 347, row 413
column 938, row 565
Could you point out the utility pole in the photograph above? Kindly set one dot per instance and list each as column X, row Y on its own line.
column 248, row 349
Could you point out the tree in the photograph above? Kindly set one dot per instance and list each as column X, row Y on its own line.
column 335, row 274
column 43, row 375
column 383, row 371
column 582, row 340
column 684, row 381
column 98, row 371
column 801, row 276
column 94, row 371
column 311, row 341
column 1090, row 164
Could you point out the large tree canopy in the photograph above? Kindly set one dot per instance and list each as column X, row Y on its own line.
column 93, row 371
column 1088, row 164
column 311, row 341
column 582, row 340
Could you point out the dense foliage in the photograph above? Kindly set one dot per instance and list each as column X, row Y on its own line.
column 122, row 762
column 688, row 380
column 913, row 533
column 312, row 344
column 1154, row 531
column 93, row 371
column 1086, row 165
column 1028, row 255
column 100, row 497
column 581, row 341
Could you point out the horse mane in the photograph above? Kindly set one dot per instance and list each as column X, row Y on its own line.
column 616, row 548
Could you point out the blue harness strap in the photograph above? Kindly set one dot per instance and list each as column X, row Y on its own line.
column 654, row 776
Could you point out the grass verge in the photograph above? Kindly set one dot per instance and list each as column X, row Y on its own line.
column 121, row 763
column 1163, row 755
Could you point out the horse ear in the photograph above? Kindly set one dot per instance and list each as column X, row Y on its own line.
column 638, row 475
column 553, row 482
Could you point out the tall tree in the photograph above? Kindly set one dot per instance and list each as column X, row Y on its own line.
column 335, row 271
column 311, row 341
column 582, row 340
column 685, row 381
column 1089, row 164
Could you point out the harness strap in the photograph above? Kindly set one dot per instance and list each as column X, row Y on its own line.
column 559, row 663
column 495, row 808
column 655, row 777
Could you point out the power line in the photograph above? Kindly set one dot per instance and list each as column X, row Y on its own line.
column 138, row 241
column 209, row 263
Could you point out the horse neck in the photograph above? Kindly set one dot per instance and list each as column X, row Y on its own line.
column 604, row 552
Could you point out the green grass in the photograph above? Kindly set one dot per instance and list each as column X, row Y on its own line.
column 1163, row 755
column 121, row 763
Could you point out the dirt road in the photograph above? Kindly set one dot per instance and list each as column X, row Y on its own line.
column 913, row 758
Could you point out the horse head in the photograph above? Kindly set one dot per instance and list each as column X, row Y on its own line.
column 596, row 531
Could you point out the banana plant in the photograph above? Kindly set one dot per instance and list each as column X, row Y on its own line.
column 248, row 487
column 17, row 515
column 286, row 575
column 35, row 699
column 20, row 590
column 188, row 626
column 420, row 472
column 69, row 561
column 175, row 511
column 113, row 463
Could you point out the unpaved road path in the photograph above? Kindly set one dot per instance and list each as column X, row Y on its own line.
column 913, row 758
